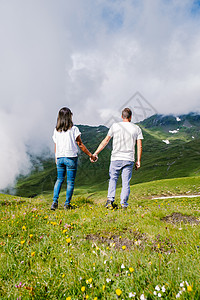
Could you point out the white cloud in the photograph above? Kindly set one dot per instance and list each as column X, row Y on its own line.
column 91, row 56
column 13, row 158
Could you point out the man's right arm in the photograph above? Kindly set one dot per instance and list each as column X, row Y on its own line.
column 102, row 145
column 139, row 154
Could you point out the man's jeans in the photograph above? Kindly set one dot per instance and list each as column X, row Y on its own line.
column 65, row 165
column 126, row 168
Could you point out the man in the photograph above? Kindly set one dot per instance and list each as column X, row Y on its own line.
column 124, row 134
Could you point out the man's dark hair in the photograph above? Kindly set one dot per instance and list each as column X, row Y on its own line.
column 126, row 113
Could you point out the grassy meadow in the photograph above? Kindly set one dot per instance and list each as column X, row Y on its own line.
column 149, row 251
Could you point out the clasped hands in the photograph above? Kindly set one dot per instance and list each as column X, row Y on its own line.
column 94, row 158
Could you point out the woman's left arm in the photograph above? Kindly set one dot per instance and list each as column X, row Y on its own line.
column 84, row 149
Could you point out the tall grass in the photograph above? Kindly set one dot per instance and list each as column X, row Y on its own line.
column 94, row 253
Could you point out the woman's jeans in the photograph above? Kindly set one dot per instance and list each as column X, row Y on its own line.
column 126, row 168
column 65, row 165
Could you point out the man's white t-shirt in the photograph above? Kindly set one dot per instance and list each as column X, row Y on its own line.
column 125, row 135
column 66, row 142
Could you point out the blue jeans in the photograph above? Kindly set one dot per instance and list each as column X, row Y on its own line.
column 65, row 165
column 126, row 168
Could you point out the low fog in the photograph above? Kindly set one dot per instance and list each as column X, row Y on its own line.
column 91, row 56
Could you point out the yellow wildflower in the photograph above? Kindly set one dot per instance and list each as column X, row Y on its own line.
column 89, row 281
column 118, row 292
column 189, row 288
column 124, row 247
column 131, row 269
column 68, row 240
column 53, row 223
column 68, row 298
column 83, row 289
column 33, row 254
column 31, row 235
column 86, row 297
column 65, row 230
column 22, row 242
column 95, row 298
column 23, row 227
column 104, row 287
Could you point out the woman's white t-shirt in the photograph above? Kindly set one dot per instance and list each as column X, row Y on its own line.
column 66, row 142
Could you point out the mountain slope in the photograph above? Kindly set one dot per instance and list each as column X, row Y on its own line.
column 179, row 158
column 183, row 128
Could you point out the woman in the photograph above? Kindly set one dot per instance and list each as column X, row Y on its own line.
column 66, row 137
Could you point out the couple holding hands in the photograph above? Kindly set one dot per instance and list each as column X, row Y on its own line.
column 125, row 135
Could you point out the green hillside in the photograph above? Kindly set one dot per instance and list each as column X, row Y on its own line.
column 178, row 159
column 149, row 251
column 185, row 129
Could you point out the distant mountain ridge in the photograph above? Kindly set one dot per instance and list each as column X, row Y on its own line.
column 184, row 127
column 187, row 120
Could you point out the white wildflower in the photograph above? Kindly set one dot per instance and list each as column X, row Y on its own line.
column 155, row 293
column 122, row 266
column 159, row 295
column 157, row 288
column 163, row 289
column 108, row 280
column 142, row 297
column 131, row 295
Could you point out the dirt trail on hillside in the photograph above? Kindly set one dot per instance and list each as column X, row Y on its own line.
column 179, row 196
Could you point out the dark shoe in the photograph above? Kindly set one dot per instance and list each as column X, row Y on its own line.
column 109, row 204
column 68, row 206
column 54, row 206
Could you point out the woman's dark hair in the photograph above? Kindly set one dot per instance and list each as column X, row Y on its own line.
column 64, row 120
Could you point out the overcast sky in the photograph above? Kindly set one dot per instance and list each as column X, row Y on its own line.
column 92, row 56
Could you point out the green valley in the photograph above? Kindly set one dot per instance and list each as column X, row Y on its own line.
column 179, row 158
column 147, row 252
